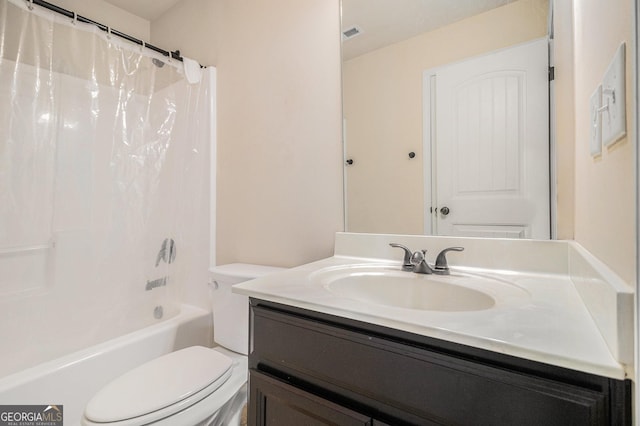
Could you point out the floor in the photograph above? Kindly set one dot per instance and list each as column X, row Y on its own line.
column 243, row 419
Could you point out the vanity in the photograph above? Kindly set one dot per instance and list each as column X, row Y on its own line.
column 353, row 339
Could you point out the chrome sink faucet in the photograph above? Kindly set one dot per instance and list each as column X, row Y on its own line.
column 417, row 261
column 420, row 265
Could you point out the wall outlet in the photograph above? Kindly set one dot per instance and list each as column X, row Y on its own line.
column 614, row 122
column 595, row 129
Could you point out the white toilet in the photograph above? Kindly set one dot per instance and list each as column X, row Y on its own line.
column 195, row 385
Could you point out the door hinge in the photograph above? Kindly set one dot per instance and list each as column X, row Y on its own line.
column 552, row 73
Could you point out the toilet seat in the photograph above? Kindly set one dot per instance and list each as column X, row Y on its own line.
column 163, row 387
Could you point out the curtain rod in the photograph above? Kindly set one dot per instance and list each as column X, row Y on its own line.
column 175, row 54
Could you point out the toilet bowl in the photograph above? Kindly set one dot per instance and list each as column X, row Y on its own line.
column 192, row 386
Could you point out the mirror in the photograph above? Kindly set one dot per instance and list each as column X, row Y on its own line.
column 398, row 56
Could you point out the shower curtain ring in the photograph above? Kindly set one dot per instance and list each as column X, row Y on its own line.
column 75, row 18
column 108, row 33
column 143, row 46
column 30, row 4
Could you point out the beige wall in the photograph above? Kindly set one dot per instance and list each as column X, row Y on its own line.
column 279, row 168
column 383, row 111
column 191, row 26
column 605, row 186
column 563, row 58
column 279, row 131
column 107, row 14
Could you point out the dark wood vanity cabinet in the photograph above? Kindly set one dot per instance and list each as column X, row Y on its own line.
column 308, row 368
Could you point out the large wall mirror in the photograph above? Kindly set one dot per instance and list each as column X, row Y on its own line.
column 446, row 119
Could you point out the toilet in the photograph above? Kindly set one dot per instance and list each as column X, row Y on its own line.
column 195, row 385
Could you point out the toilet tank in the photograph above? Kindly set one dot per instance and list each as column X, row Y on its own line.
column 230, row 310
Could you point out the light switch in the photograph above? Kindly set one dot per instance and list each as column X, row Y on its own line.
column 614, row 123
column 595, row 130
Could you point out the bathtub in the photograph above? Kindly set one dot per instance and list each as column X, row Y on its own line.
column 73, row 379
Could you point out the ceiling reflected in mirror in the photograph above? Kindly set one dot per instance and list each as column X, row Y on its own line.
column 373, row 24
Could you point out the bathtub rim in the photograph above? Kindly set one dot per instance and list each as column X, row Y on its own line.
column 186, row 313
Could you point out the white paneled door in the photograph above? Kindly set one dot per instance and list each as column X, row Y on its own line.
column 489, row 131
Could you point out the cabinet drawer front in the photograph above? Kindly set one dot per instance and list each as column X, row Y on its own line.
column 277, row 404
column 410, row 382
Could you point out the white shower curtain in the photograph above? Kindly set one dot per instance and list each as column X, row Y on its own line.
column 104, row 151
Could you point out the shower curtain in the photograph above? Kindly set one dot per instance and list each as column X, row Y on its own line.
column 104, row 150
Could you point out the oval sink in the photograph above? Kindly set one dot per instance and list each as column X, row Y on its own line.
column 388, row 286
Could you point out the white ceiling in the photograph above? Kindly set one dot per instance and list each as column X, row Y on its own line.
column 147, row 9
column 384, row 22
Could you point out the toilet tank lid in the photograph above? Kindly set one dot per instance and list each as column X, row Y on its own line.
column 242, row 270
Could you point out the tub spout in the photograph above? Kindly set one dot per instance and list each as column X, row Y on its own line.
column 160, row 282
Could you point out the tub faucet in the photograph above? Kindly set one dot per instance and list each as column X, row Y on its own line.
column 167, row 251
column 160, row 282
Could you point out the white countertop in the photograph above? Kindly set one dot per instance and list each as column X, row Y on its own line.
column 553, row 326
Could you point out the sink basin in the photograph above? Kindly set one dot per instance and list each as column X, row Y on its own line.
column 389, row 286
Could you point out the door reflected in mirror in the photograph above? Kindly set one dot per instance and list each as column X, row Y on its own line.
column 446, row 117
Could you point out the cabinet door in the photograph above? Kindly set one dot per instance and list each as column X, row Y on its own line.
column 275, row 403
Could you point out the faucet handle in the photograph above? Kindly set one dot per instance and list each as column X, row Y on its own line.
column 162, row 254
column 442, row 266
column 406, row 261
column 167, row 251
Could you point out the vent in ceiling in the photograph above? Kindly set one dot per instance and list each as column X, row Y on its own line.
column 351, row 33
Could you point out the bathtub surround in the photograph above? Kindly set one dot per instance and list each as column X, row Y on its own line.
column 97, row 151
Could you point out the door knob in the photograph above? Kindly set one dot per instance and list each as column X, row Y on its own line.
column 444, row 211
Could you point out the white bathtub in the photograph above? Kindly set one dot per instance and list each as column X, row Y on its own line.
column 73, row 379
